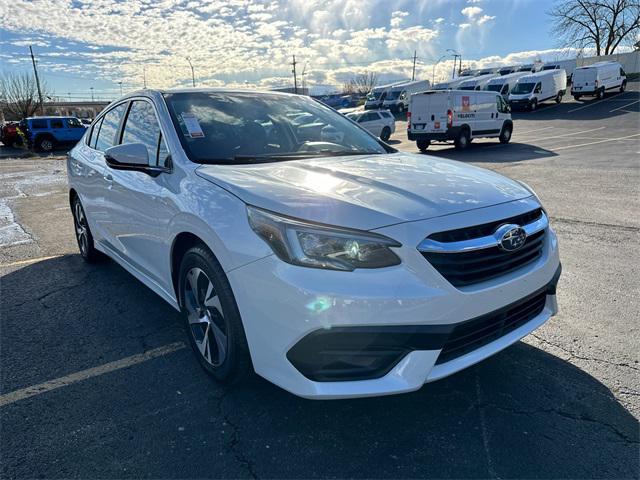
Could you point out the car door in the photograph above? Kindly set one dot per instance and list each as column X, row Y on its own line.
column 137, row 203
column 91, row 165
column 58, row 130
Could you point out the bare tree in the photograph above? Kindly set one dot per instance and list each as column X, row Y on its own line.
column 362, row 83
column 602, row 24
column 19, row 94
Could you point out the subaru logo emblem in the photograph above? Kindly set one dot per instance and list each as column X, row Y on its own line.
column 510, row 237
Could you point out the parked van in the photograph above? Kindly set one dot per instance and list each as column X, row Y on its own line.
column 377, row 95
column 597, row 78
column 529, row 67
column 504, row 84
column 457, row 115
column 397, row 98
column 567, row 65
column 477, row 83
column 530, row 90
column 507, row 70
column 450, row 84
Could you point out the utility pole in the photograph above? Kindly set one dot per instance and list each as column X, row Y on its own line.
column 91, row 88
column 120, row 83
column 144, row 75
column 413, row 74
column 35, row 71
column 295, row 78
column 193, row 77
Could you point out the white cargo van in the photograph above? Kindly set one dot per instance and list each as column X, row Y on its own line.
column 504, row 84
column 597, row 78
column 450, row 84
column 567, row 65
column 377, row 95
column 477, row 83
column 530, row 90
column 397, row 98
column 458, row 115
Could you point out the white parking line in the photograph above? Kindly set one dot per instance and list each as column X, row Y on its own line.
column 624, row 106
column 592, row 103
column 565, row 134
column 539, row 129
column 593, row 143
column 34, row 390
column 28, row 261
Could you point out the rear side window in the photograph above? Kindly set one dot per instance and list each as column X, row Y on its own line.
column 106, row 136
column 57, row 123
column 142, row 127
column 94, row 134
column 38, row 124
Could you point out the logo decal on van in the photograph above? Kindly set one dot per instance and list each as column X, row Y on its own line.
column 465, row 104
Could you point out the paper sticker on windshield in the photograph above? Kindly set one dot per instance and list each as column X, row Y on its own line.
column 192, row 125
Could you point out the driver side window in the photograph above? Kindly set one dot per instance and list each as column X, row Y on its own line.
column 142, row 127
column 538, row 88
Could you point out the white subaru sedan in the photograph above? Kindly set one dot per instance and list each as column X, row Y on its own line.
column 312, row 253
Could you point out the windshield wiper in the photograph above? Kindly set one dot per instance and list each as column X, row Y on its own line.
column 274, row 157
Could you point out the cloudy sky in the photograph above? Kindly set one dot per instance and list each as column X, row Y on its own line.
column 98, row 43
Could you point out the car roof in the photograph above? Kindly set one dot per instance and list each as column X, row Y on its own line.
column 49, row 117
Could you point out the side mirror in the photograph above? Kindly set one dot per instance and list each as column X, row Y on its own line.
column 131, row 156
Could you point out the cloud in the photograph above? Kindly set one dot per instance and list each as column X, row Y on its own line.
column 485, row 19
column 397, row 18
column 471, row 12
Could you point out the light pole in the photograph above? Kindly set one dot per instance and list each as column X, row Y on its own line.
column 456, row 56
column 433, row 70
column 120, row 83
column 91, row 88
column 193, row 77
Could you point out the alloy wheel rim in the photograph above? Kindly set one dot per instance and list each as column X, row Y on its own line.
column 81, row 229
column 46, row 145
column 206, row 318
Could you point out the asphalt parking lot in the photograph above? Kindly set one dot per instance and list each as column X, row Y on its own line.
column 96, row 382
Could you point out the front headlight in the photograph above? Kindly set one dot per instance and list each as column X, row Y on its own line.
column 311, row 245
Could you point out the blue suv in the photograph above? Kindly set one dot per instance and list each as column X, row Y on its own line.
column 45, row 133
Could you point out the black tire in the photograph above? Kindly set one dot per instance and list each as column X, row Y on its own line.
column 533, row 105
column 84, row 237
column 600, row 94
column 623, row 87
column 385, row 134
column 576, row 97
column 229, row 360
column 559, row 97
column 505, row 133
column 463, row 140
column 423, row 145
column 45, row 144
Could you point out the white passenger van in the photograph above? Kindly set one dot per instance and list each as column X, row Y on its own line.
column 377, row 95
column 477, row 83
column 597, row 78
column 530, row 90
column 457, row 115
column 504, row 84
column 397, row 98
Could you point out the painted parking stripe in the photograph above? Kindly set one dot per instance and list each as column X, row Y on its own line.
column 28, row 261
column 593, row 102
column 41, row 388
column 566, row 134
column 624, row 106
column 538, row 129
column 593, row 143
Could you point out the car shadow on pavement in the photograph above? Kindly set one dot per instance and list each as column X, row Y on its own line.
column 492, row 152
column 522, row 413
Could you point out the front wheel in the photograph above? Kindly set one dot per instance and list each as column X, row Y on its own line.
column 83, row 233
column 213, row 323
column 559, row 97
column 505, row 134
column 385, row 134
column 576, row 97
column 463, row 140
column 600, row 94
column 423, row 145
column 623, row 87
column 533, row 105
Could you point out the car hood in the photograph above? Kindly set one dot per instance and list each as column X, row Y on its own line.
column 365, row 192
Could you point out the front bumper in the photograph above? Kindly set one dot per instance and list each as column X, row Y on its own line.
column 409, row 308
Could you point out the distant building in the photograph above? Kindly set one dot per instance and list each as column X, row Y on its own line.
column 74, row 109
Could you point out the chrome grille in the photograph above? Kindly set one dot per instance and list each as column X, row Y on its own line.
column 472, row 255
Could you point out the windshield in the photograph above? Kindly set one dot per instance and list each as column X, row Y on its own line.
column 221, row 127
column 494, row 88
column 549, row 67
column 525, row 68
column 393, row 95
column 522, row 88
column 354, row 116
column 374, row 96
